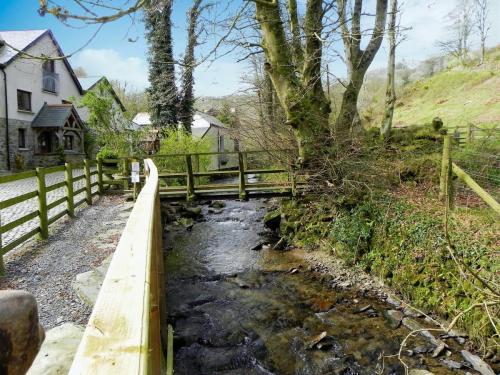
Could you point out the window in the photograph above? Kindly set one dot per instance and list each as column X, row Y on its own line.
column 48, row 66
column 23, row 100
column 68, row 142
column 21, row 138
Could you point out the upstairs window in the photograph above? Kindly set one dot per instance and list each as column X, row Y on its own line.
column 49, row 66
column 21, row 138
column 23, row 100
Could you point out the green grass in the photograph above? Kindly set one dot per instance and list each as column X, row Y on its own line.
column 458, row 95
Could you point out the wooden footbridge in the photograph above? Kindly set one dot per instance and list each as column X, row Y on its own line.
column 127, row 332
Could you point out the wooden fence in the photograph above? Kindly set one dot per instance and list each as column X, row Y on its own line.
column 126, row 331
column 43, row 207
column 192, row 187
column 448, row 168
column 471, row 133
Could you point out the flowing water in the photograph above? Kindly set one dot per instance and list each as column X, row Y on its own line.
column 239, row 311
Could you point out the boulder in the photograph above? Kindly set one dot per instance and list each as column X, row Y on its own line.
column 394, row 317
column 272, row 219
column 477, row 363
column 87, row 286
column 20, row 332
column 417, row 371
column 58, row 350
column 217, row 204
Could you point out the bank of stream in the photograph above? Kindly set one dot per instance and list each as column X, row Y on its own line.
column 240, row 308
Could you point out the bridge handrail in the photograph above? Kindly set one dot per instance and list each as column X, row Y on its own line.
column 123, row 335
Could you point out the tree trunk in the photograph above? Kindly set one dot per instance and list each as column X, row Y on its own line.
column 390, row 94
column 186, row 105
column 358, row 61
column 162, row 93
column 301, row 97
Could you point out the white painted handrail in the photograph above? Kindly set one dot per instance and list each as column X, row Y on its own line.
column 123, row 335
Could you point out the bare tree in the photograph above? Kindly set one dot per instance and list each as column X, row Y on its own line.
column 186, row 103
column 481, row 11
column 458, row 45
column 357, row 59
column 390, row 94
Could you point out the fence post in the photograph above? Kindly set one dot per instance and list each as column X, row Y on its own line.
column 42, row 204
column 446, row 183
column 189, row 178
column 469, row 133
column 126, row 173
column 99, row 176
column 196, row 167
column 2, row 266
column 294, row 182
column 245, row 164
column 69, row 189
column 88, row 182
column 241, row 164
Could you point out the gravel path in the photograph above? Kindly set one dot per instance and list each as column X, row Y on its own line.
column 47, row 268
column 19, row 187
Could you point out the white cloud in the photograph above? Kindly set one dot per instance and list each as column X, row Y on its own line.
column 109, row 63
column 218, row 79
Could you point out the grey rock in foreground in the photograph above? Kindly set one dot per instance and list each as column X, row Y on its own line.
column 58, row 350
column 88, row 284
column 477, row 363
column 20, row 333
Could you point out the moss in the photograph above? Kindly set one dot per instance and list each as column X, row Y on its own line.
column 403, row 244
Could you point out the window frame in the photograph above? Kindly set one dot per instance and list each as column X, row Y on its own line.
column 21, row 135
column 23, row 92
column 71, row 139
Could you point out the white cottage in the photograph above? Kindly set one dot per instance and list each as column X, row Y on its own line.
column 38, row 123
column 207, row 127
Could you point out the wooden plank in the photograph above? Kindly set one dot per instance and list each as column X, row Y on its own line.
column 17, row 176
column 69, row 190
column 216, row 173
column 18, row 199
column 79, row 191
column 56, row 217
column 110, row 171
column 263, row 171
column 19, row 241
column 88, row 182
column 117, row 339
column 78, row 178
column 57, row 168
column 170, row 351
column 111, row 161
column 80, row 202
column 469, row 181
column 42, row 203
column 190, row 179
column 15, row 223
column 56, row 203
column 171, row 175
column 241, row 178
column 100, row 188
column 56, row 186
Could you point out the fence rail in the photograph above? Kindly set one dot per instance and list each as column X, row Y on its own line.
column 42, row 206
column 448, row 168
column 126, row 332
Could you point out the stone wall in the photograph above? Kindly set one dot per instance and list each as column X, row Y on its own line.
column 25, row 153
column 31, row 160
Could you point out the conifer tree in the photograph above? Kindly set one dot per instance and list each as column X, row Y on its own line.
column 163, row 97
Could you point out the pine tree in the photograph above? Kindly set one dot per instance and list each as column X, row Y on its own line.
column 162, row 93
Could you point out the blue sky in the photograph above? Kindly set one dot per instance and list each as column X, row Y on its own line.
column 111, row 54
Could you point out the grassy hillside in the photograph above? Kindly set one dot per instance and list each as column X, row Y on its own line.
column 459, row 95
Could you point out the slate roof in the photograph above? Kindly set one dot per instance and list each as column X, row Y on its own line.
column 141, row 119
column 210, row 119
column 54, row 116
column 18, row 39
column 23, row 40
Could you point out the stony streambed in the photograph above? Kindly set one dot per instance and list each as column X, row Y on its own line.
column 239, row 310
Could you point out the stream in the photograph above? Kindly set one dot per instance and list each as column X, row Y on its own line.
column 235, row 310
